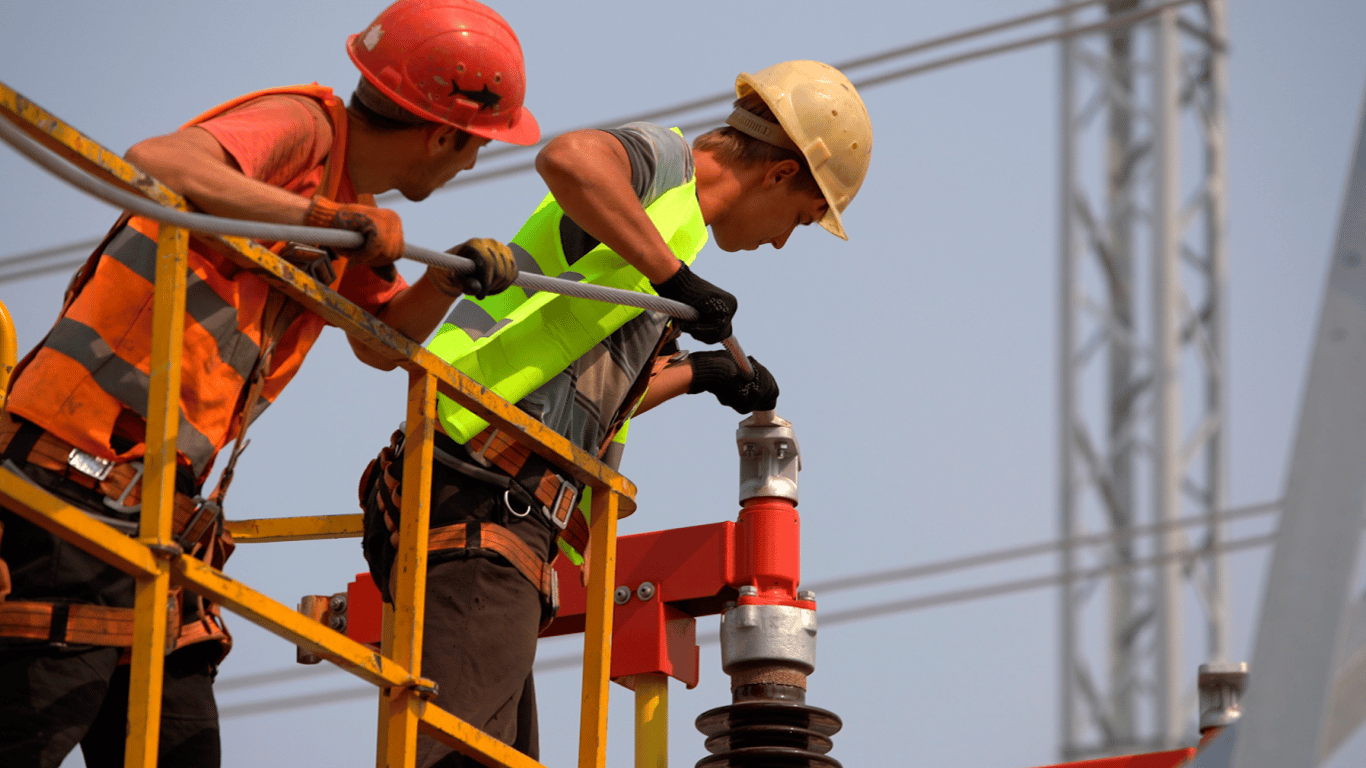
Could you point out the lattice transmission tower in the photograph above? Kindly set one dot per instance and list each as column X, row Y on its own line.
column 1143, row 406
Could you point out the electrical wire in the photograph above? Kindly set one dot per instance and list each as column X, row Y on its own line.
column 724, row 97
column 835, row 618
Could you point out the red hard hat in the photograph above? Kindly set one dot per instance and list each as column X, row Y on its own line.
column 450, row 61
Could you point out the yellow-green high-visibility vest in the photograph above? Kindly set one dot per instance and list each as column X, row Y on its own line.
column 513, row 342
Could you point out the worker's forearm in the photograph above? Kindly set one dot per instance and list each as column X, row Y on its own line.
column 590, row 176
column 193, row 163
column 670, row 383
column 415, row 312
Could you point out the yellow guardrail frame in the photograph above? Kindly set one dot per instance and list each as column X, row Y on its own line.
column 156, row 563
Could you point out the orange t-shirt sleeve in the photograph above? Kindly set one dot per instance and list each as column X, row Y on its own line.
column 278, row 140
column 275, row 139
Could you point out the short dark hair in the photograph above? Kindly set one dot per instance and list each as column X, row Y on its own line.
column 381, row 113
column 732, row 146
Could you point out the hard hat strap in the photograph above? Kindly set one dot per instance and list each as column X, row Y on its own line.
column 752, row 125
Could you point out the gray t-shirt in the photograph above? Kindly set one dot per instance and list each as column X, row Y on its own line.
column 580, row 402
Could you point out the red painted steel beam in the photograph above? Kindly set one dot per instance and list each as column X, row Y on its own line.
column 1151, row 760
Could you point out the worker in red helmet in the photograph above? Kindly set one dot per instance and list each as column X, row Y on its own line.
column 630, row 207
column 439, row 80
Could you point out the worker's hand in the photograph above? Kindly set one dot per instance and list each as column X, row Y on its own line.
column 495, row 268
column 718, row 373
column 382, row 228
column 714, row 306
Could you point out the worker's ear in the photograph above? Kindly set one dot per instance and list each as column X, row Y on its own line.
column 782, row 171
column 441, row 139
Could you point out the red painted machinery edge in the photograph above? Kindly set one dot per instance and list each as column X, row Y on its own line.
column 1150, row 760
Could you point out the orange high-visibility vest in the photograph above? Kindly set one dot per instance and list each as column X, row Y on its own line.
column 94, row 364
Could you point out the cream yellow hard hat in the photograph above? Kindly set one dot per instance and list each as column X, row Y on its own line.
column 824, row 119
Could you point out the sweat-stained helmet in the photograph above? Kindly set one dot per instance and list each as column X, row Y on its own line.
column 824, row 118
column 449, row 61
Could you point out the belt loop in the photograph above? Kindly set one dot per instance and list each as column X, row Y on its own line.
column 56, row 634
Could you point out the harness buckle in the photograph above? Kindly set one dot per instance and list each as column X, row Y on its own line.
column 118, row 505
column 553, row 511
column 89, row 464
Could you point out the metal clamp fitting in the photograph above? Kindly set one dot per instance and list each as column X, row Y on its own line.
column 769, row 633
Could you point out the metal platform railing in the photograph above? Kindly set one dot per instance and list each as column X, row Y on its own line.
column 157, row 563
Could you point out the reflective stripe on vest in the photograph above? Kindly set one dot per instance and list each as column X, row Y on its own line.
column 513, row 342
column 95, row 362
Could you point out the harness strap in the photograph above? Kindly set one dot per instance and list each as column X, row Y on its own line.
column 559, row 495
column 496, row 538
column 209, row 627
column 122, row 482
column 78, row 624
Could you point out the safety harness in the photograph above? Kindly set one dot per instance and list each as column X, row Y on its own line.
column 197, row 522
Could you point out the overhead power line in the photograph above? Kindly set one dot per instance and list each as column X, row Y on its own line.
column 835, row 618
column 24, row 265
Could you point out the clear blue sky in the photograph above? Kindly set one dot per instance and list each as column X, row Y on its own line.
column 917, row 360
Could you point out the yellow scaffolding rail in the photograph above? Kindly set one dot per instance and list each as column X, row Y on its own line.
column 157, row 563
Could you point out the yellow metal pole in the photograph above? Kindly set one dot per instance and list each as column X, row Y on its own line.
column 305, row 528
column 9, row 352
column 158, row 499
column 74, row 526
column 652, row 721
column 597, row 634
column 409, row 587
column 286, row 622
column 386, row 645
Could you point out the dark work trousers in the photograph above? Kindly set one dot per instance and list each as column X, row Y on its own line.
column 482, row 617
column 53, row 698
column 478, row 645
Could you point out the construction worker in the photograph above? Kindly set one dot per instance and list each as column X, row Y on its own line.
column 439, row 80
column 629, row 208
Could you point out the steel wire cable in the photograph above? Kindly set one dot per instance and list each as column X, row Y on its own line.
column 333, row 238
column 726, row 96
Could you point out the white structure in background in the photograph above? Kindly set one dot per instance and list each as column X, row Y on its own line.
column 1307, row 685
column 1143, row 407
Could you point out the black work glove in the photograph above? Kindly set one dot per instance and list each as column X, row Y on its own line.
column 494, row 269
column 718, row 373
column 714, row 306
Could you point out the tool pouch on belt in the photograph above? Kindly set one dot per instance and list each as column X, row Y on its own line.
column 382, row 504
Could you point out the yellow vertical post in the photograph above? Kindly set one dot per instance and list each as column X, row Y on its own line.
column 386, row 635
column 652, row 721
column 158, row 499
column 409, row 586
column 597, row 634
column 9, row 352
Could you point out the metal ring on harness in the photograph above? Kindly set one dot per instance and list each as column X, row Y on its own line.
column 507, row 502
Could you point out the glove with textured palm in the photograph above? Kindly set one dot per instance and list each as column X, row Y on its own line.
column 495, row 268
column 714, row 306
column 382, row 228
column 717, row 373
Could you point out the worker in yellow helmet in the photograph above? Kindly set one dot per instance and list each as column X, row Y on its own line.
column 630, row 208
column 439, row 79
